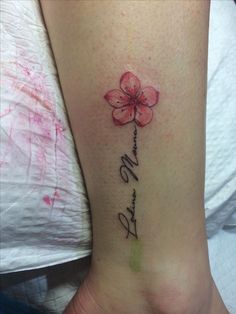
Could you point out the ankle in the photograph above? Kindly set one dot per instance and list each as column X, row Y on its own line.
column 180, row 297
column 182, row 290
column 167, row 297
column 84, row 302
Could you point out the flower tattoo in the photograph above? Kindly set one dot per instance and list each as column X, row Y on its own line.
column 131, row 102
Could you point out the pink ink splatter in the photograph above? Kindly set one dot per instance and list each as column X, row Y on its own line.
column 47, row 200
column 50, row 200
column 32, row 128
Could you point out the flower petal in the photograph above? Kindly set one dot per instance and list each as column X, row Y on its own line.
column 130, row 84
column 149, row 96
column 116, row 98
column 123, row 115
column 143, row 115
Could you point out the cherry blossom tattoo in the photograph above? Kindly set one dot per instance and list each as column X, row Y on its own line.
column 131, row 104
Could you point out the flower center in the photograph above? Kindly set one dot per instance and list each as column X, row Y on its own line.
column 134, row 101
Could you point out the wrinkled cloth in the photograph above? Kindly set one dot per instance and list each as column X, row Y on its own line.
column 44, row 210
column 220, row 180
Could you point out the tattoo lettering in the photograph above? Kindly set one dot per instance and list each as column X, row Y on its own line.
column 128, row 163
column 131, row 103
column 125, row 221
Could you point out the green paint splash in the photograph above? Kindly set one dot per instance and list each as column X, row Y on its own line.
column 135, row 255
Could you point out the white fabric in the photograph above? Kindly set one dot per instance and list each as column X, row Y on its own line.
column 222, row 254
column 220, row 183
column 44, row 213
column 220, row 192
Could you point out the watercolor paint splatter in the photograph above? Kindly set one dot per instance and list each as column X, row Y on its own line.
column 43, row 206
column 29, row 122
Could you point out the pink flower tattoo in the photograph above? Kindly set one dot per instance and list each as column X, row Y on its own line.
column 131, row 102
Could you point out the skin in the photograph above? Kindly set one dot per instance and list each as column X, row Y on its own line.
column 165, row 44
column 135, row 260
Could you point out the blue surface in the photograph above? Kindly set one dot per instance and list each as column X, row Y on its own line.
column 11, row 306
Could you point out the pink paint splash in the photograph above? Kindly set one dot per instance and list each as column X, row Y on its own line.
column 50, row 200
column 47, row 200
column 6, row 112
column 31, row 125
column 30, row 83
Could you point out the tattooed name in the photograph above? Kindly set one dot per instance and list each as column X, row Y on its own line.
column 129, row 223
column 128, row 163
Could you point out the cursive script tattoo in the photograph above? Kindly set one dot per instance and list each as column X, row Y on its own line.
column 130, row 223
column 126, row 169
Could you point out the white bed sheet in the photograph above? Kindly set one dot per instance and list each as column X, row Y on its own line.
column 43, row 205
